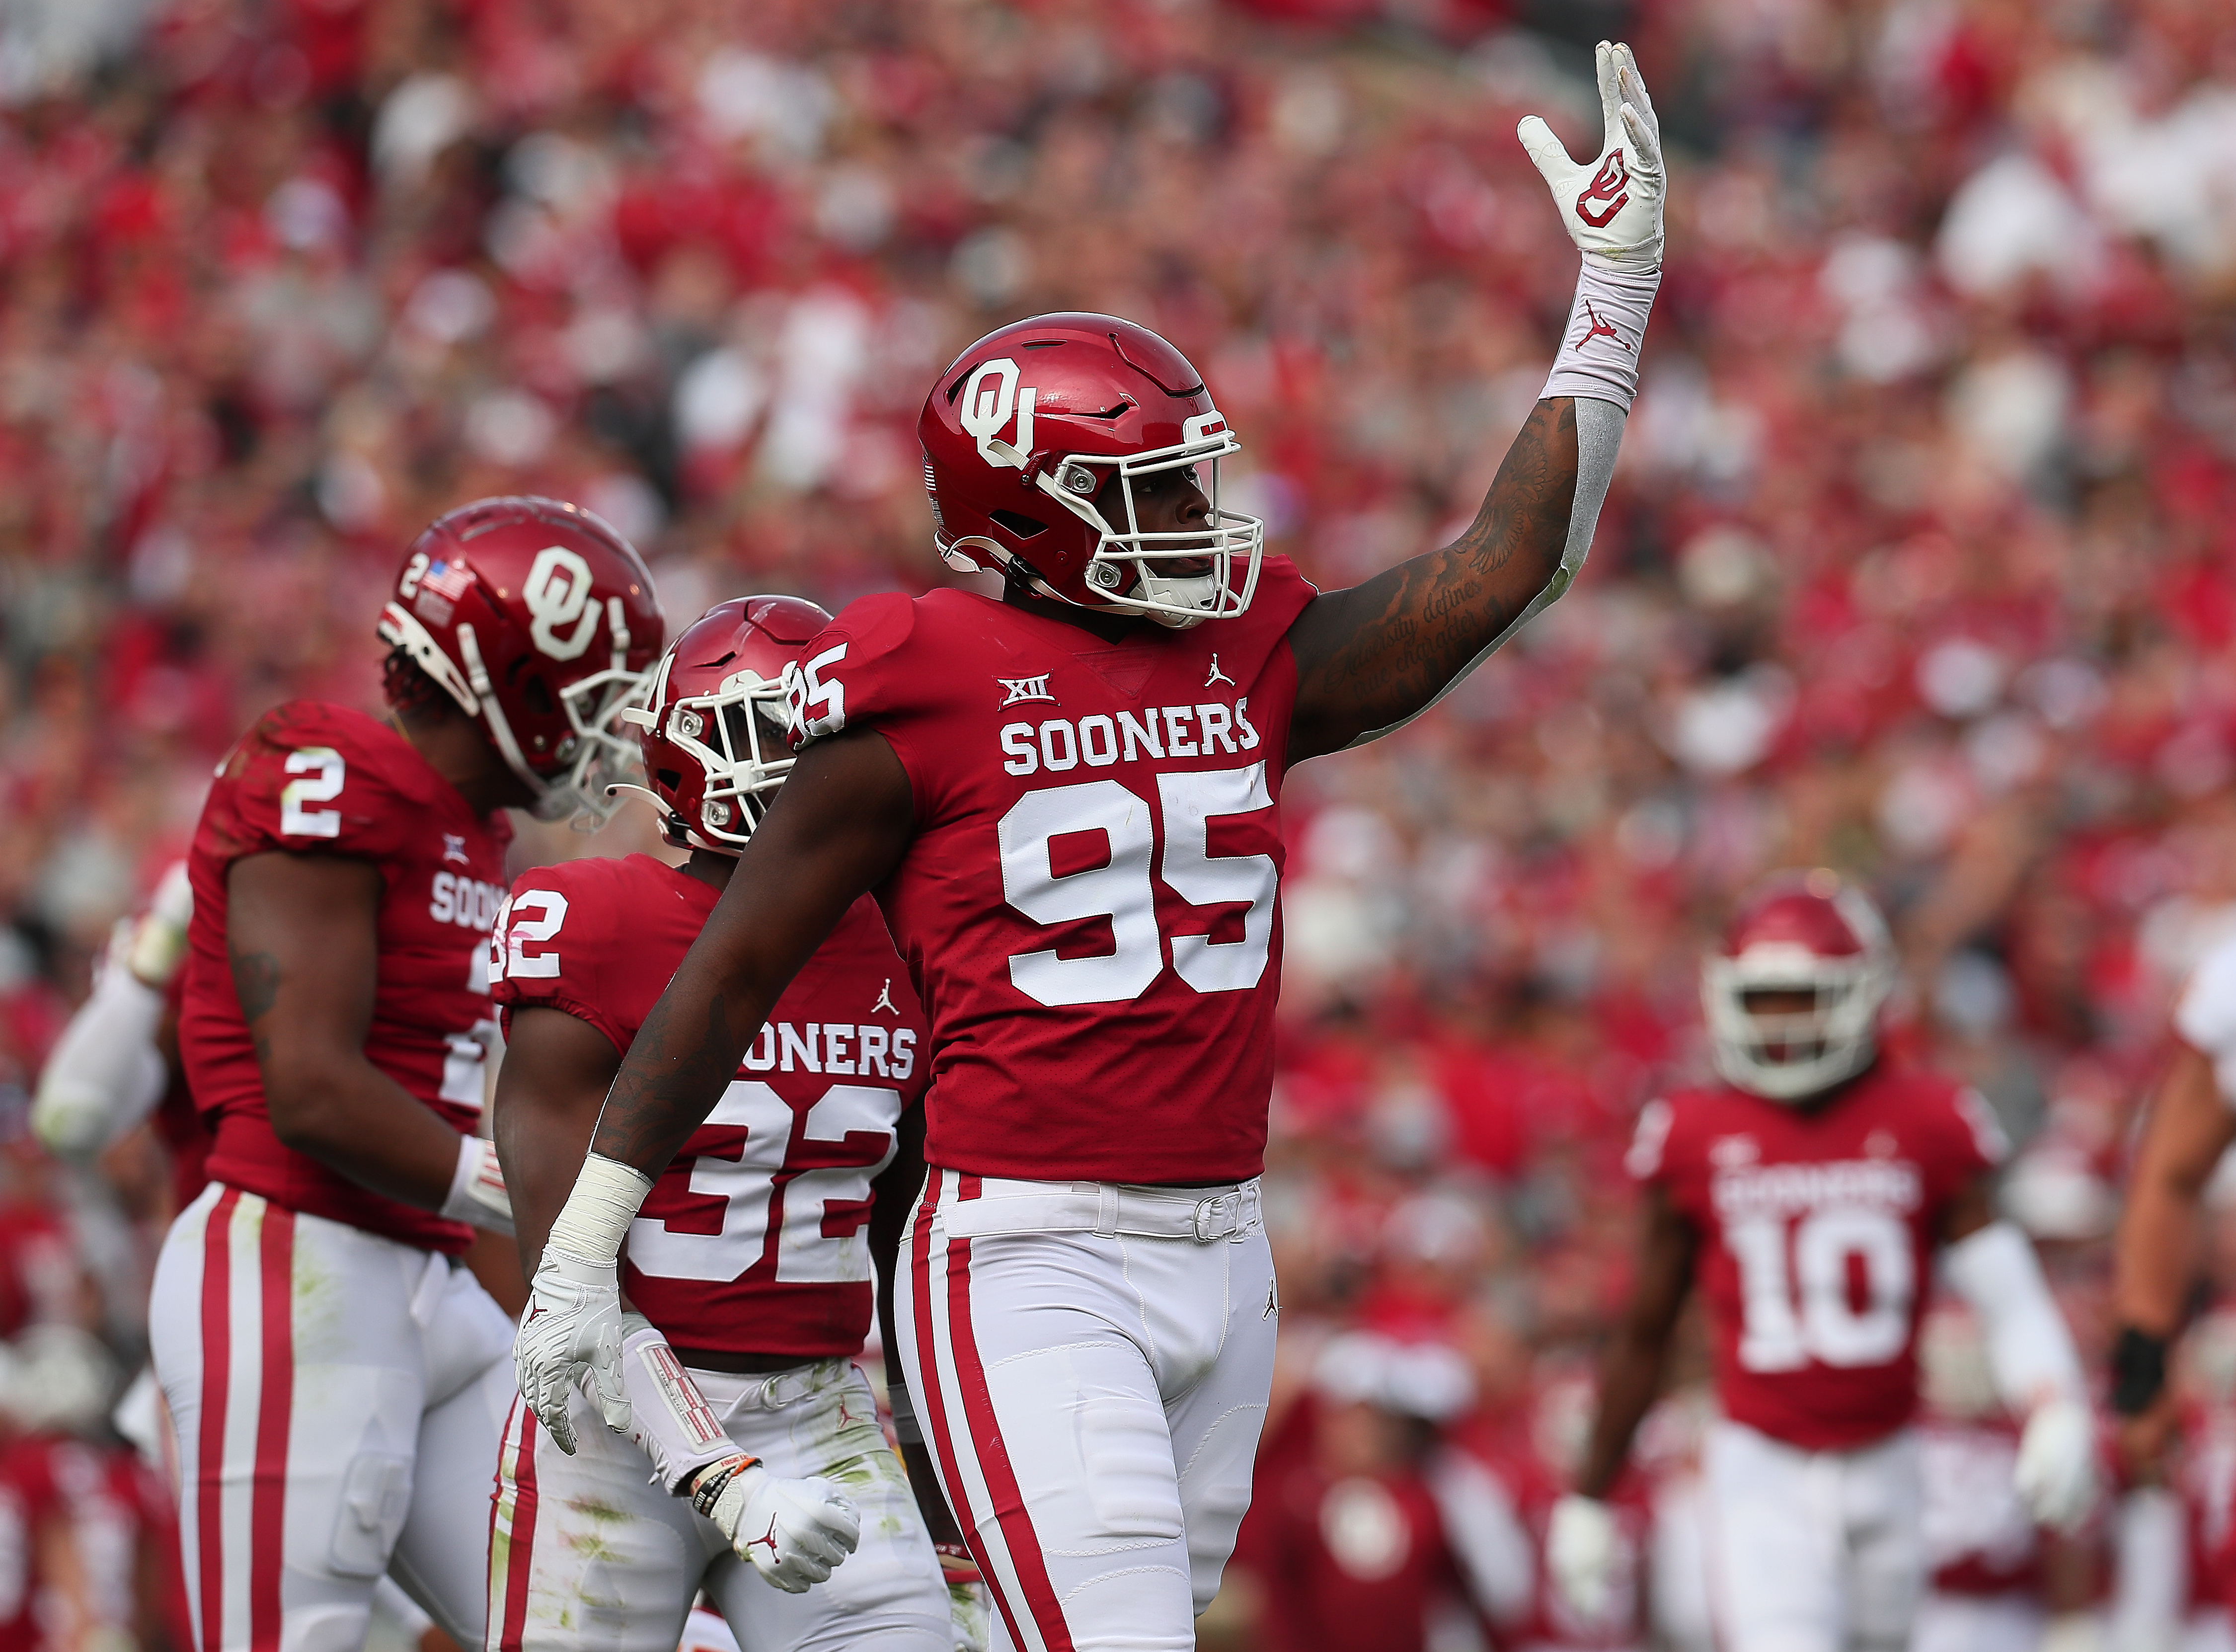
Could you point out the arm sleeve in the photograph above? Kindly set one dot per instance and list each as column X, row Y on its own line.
column 1486, row 1536
column 552, row 935
column 2028, row 1344
column 105, row 1074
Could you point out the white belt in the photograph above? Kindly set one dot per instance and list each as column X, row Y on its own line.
column 750, row 1390
column 1108, row 1208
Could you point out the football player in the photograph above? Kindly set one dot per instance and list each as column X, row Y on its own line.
column 2191, row 1126
column 1065, row 801
column 751, row 1262
column 1807, row 1196
column 336, row 1380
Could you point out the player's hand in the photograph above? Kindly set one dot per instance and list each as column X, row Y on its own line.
column 573, row 1325
column 968, row 1610
column 795, row 1532
column 1612, row 206
column 1581, row 1542
column 2057, row 1472
column 159, row 940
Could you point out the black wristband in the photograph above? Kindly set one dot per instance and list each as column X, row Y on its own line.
column 2138, row 1370
column 705, row 1489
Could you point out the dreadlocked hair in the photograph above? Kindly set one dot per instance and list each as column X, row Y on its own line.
column 406, row 686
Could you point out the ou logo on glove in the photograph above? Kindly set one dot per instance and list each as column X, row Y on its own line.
column 1611, row 183
column 557, row 593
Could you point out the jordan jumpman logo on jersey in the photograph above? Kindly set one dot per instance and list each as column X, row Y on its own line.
column 885, row 998
column 1217, row 676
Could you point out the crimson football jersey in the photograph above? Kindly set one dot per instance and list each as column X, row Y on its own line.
column 1818, row 1229
column 314, row 779
column 752, row 1240
column 1089, row 906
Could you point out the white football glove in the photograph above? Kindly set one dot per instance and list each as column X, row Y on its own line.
column 795, row 1532
column 2057, row 1472
column 1581, row 1542
column 1613, row 205
column 573, row 1325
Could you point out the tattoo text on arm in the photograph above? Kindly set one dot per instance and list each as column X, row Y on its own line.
column 1441, row 610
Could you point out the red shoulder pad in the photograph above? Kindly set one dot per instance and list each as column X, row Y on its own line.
column 311, row 777
column 556, row 935
column 854, row 669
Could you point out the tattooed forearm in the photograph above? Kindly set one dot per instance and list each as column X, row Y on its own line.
column 689, row 1049
column 1375, row 654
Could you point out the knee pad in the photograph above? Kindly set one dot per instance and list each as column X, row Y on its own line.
column 323, row 1628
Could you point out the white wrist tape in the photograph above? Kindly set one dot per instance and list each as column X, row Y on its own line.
column 478, row 1194
column 671, row 1420
column 596, row 1216
column 1607, row 324
column 2028, row 1344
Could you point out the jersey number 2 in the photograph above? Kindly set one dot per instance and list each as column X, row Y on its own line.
column 1115, row 883
column 321, row 768
column 1782, row 1329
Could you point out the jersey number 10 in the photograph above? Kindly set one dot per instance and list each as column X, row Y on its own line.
column 1782, row 1329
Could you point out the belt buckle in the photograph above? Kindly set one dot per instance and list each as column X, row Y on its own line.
column 1207, row 1213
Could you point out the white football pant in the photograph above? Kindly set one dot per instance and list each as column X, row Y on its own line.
column 586, row 1553
column 1092, row 1399
column 2011, row 1622
column 336, row 1399
column 1814, row 1551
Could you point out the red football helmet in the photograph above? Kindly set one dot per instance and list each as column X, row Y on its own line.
column 1023, row 434
column 502, row 603
column 712, row 720
column 1808, row 932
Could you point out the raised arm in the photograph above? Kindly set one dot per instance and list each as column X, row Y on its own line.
column 1372, row 658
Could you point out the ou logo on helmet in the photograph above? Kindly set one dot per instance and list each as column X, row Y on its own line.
column 557, row 592
column 990, row 396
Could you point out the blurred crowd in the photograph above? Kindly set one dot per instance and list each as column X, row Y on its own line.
column 1921, row 563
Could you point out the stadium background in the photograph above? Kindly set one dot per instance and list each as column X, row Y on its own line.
column 1921, row 560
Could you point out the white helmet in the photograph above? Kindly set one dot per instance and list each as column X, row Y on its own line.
column 1810, row 932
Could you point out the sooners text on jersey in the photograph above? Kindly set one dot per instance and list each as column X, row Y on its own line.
column 1817, row 1230
column 753, row 1240
column 1089, row 907
column 314, row 779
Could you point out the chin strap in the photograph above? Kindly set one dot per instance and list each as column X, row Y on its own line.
column 493, row 716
